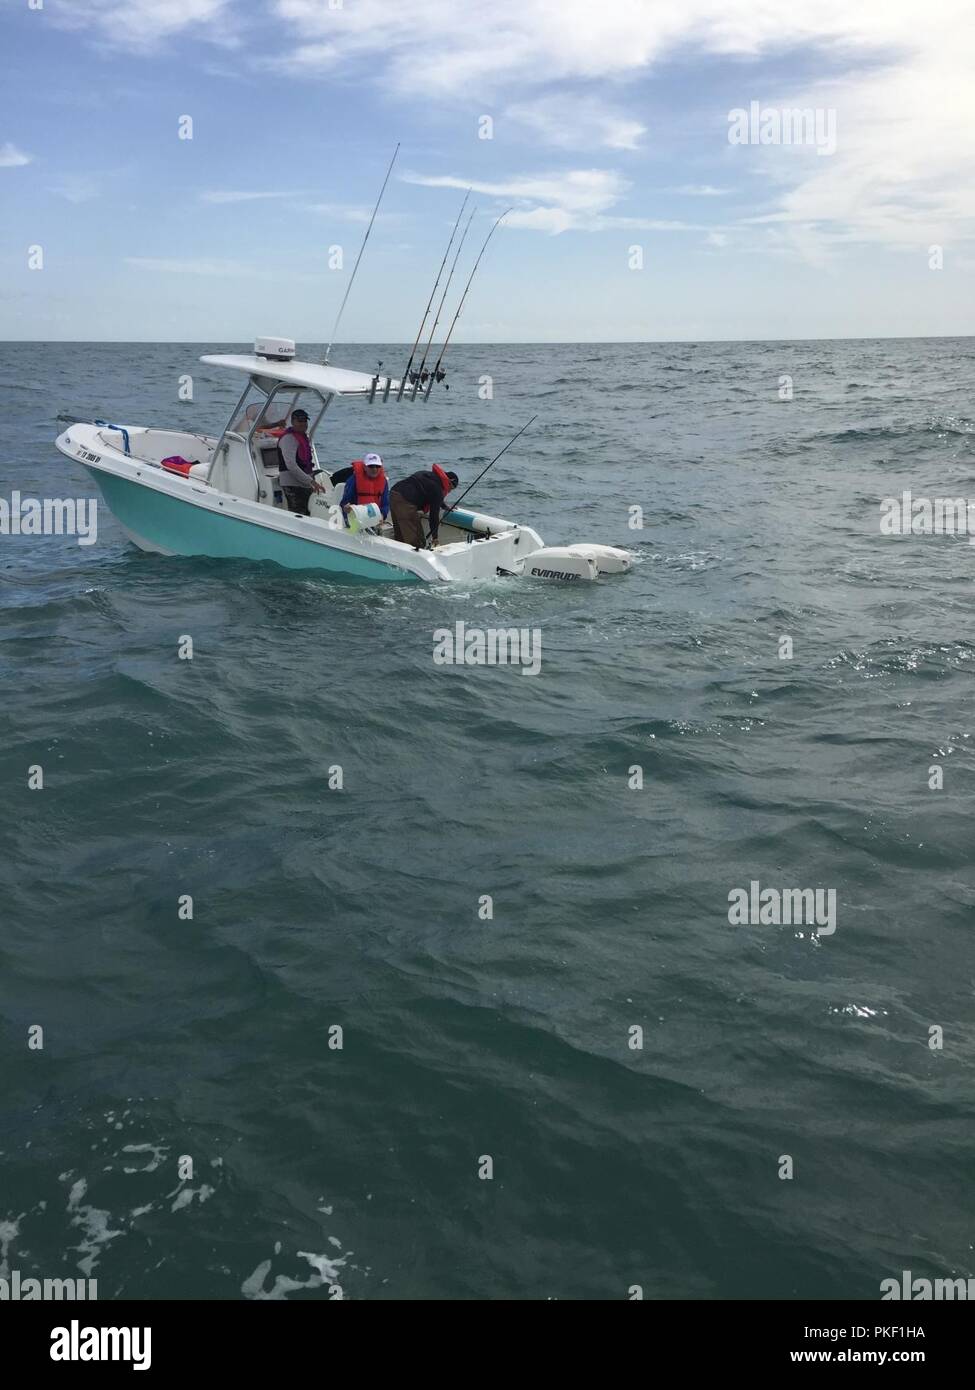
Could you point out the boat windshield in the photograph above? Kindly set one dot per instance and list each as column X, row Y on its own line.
column 261, row 416
column 265, row 413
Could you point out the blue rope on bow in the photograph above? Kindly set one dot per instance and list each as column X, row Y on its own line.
column 121, row 429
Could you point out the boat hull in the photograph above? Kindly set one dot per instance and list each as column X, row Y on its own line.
column 168, row 525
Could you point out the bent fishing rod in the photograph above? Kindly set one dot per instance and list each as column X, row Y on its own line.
column 426, row 312
column 358, row 258
column 446, row 341
column 480, row 475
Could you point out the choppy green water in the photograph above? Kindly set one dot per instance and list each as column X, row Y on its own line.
column 506, row 1038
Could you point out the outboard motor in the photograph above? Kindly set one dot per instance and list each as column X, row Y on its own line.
column 558, row 562
column 576, row 562
column 609, row 558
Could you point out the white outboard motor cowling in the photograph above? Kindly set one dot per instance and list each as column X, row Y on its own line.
column 576, row 562
column 559, row 562
column 609, row 558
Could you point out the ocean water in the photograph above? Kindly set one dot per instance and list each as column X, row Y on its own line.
column 317, row 1168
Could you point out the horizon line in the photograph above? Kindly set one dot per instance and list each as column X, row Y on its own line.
column 519, row 342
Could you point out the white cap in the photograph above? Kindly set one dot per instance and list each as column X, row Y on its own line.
column 373, row 461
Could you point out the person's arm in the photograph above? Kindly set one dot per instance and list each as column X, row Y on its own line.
column 348, row 493
column 265, row 426
column 384, row 503
column 436, row 502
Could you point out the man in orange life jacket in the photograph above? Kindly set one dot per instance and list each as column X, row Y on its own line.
column 298, row 463
column 420, row 492
column 366, row 483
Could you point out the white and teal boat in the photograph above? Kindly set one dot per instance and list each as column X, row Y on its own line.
column 228, row 502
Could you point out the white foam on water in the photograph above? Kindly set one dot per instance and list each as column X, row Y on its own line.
column 858, row 1011
column 158, row 1151
column 94, row 1224
column 328, row 1270
column 253, row 1285
column 326, row 1273
column 185, row 1196
column 9, row 1231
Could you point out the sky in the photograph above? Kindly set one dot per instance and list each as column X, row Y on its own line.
column 641, row 207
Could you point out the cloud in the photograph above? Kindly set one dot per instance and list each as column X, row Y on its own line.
column 902, row 90
column 586, row 190
column 544, row 202
column 142, row 24
column 190, row 266
column 222, row 196
column 701, row 190
column 347, row 212
column 903, row 136
column 77, row 188
column 578, row 200
column 445, row 47
column 467, row 47
column 12, row 158
column 576, row 122
column 901, row 85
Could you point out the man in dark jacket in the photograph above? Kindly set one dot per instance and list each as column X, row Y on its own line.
column 420, row 492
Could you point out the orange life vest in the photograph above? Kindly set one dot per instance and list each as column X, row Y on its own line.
column 368, row 489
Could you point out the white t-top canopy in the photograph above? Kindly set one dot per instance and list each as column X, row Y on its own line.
column 331, row 381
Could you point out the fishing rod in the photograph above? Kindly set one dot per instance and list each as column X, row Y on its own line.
column 433, row 374
column 359, row 257
column 480, row 475
column 423, row 321
column 419, row 374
